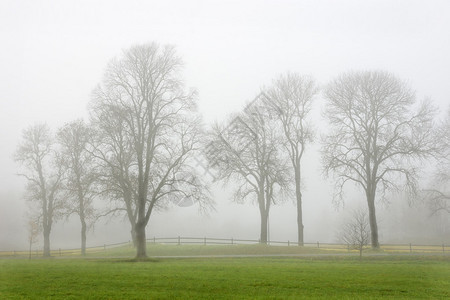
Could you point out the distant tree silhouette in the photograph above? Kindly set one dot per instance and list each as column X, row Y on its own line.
column 375, row 135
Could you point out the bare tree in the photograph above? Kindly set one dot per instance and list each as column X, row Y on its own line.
column 43, row 173
column 290, row 99
column 438, row 193
column 247, row 152
column 375, row 135
column 142, row 103
column 356, row 232
column 80, row 178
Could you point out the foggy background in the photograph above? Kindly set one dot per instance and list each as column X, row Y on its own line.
column 54, row 53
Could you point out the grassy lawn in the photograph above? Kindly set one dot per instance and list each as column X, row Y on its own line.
column 390, row 277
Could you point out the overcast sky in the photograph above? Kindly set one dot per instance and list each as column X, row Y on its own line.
column 53, row 53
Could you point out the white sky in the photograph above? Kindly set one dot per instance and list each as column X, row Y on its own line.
column 53, row 53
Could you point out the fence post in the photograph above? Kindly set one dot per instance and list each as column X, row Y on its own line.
column 288, row 243
column 179, row 241
column 232, row 241
column 410, row 248
column 154, row 240
column 204, row 241
column 318, row 246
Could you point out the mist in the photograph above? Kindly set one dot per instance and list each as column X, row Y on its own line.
column 56, row 53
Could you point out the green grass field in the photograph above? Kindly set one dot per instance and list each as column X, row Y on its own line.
column 338, row 277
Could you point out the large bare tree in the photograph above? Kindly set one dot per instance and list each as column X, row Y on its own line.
column 290, row 100
column 376, row 135
column 149, row 130
column 74, row 139
column 43, row 172
column 246, row 150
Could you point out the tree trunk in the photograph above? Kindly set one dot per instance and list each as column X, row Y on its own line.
column 141, row 241
column 83, row 237
column 263, row 211
column 46, row 227
column 82, row 212
column 133, row 235
column 31, row 242
column 263, row 235
column 46, row 241
column 373, row 220
column 300, row 220
column 298, row 194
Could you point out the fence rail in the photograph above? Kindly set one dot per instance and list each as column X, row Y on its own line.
column 389, row 248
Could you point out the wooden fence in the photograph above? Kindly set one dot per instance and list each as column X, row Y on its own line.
column 389, row 248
